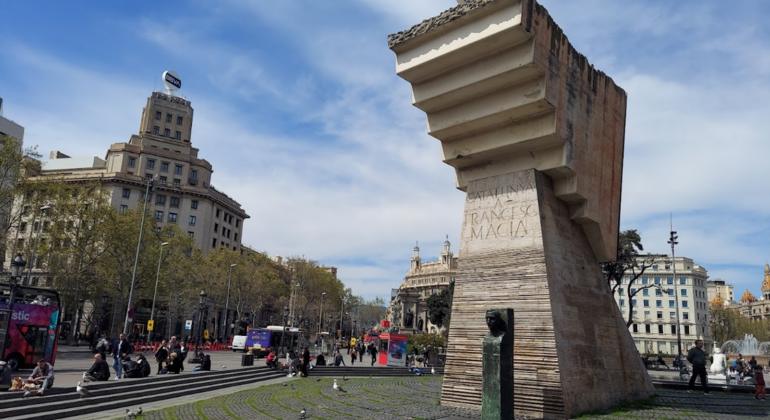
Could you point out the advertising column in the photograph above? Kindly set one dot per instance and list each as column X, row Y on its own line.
column 397, row 350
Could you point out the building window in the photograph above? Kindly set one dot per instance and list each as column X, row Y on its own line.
column 217, row 214
column 655, row 266
column 126, row 193
column 191, row 234
column 157, row 115
column 164, row 166
column 684, row 292
column 166, row 133
column 159, row 216
column 660, row 329
column 647, row 328
column 635, row 328
column 657, row 280
column 658, row 292
column 658, row 304
column 193, row 174
column 673, row 329
column 156, row 130
column 668, row 266
column 150, row 164
column 194, row 204
column 177, row 182
column 660, row 315
column 192, row 220
column 634, row 314
column 633, row 302
column 685, row 315
column 168, row 117
column 671, row 304
column 682, row 280
column 23, row 227
column 216, row 227
column 236, row 240
column 621, row 292
column 633, row 291
column 178, row 135
column 160, row 199
column 622, row 302
column 131, row 162
column 646, row 292
column 214, row 243
column 237, row 223
column 174, row 202
column 684, row 303
column 178, row 170
column 646, row 303
column 671, row 292
column 670, row 280
column 179, row 120
column 123, row 208
column 172, row 217
column 644, row 280
column 686, row 330
column 163, row 180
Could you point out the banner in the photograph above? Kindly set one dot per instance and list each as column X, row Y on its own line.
column 397, row 350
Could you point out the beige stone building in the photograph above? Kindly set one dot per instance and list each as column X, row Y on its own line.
column 408, row 309
column 654, row 312
column 162, row 149
column 719, row 290
column 757, row 308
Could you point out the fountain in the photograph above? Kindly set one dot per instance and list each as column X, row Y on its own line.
column 749, row 345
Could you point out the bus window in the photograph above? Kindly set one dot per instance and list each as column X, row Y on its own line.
column 31, row 333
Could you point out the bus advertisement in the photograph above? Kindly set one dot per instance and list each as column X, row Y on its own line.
column 258, row 340
column 30, row 333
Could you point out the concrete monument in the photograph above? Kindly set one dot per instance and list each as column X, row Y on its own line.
column 536, row 137
column 718, row 366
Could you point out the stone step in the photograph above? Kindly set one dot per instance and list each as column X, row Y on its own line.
column 74, row 406
column 366, row 371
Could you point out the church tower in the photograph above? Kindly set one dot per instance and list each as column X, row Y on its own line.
column 766, row 283
column 446, row 255
column 416, row 262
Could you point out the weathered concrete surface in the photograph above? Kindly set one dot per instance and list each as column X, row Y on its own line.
column 505, row 91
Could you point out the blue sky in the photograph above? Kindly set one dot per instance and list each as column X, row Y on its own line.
column 299, row 110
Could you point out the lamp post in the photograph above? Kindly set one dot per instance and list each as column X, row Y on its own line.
column 17, row 269
column 81, row 302
column 672, row 241
column 353, row 333
column 105, row 296
column 283, row 336
column 294, row 304
column 227, row 301
column 157, row 277
column 34, row 247
column 201, row 307
column 321, row 312
column 150, row 185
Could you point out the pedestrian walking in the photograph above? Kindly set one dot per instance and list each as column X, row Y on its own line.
column 119, row 350
column 360, row 352
column 373, row 352
column 759, row 379
column 183, row 350
column 425, row 354
column 353, row 356
column 697, row 357
column 305, row 362
column 161, row 355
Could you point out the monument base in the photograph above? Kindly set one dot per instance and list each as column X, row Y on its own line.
column 521, row 248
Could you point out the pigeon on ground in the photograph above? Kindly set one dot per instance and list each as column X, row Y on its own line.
column 292, row 387
column 318, row 380
column 337, row 387
column 27, row 394
column 139, row 411
column 83, row 391
column 224, row 367
column 433, row 371
column 344, row 378
column 130, row 414
column 284, row 384
column 302, row 413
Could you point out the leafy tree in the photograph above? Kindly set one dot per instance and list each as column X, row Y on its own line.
column 440, row 307
column 632, row 264
column 16, row 163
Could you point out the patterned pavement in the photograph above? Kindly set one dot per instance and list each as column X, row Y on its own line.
column 417, row 398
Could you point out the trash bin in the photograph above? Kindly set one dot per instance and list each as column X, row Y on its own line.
column 247, row 360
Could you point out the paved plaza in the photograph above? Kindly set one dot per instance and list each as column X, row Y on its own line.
column 417, row 398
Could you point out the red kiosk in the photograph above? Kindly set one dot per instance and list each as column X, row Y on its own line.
column 391, row 347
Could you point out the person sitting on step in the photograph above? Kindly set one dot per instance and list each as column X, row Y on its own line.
column 100, row 370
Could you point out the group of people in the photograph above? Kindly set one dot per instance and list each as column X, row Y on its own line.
column 697, row 357
column 356, row 351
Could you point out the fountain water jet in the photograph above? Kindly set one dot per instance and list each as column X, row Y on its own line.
column 749, row 345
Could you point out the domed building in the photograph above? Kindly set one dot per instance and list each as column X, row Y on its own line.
column 757, row 308
column 408, row 309
column 718, row 301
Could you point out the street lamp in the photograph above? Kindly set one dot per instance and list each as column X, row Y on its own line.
column 34, row 247
column 294, row 304
column 321, row 312
column 353, row 333
column 150, row 185
column 672, row 241
column 157, row 277
column 201, row 306
column 105, row 296
column 17, row 269
column 81, row 302
column 283, row 336
column 227, row 301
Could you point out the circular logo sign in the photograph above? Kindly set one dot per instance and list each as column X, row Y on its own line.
column 171, row 80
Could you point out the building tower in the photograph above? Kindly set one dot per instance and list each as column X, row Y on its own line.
column 446, row 255
column 766, row 283
column 416, row 258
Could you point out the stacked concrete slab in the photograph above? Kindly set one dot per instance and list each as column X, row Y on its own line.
column 536, row 136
